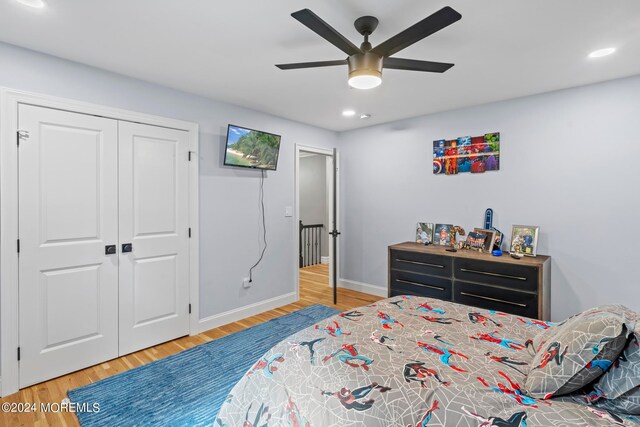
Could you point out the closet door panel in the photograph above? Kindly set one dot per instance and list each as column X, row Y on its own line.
column 68, row 213
column 154, row 276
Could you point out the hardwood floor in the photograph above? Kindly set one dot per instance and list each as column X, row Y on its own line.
column 314, row 289
column 315, row 275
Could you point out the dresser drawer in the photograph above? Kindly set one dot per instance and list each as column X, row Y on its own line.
column 417, row 262
column 491, row 298
column 403, row 282
column 510, row 276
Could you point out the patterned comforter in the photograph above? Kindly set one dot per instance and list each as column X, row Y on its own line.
column 404, row 361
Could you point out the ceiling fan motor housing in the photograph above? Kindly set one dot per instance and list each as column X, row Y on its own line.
column 365, row 64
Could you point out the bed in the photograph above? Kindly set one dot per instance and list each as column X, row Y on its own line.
column 405, row 361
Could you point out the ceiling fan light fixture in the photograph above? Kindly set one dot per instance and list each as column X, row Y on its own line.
column 365, row 62
column 364, row 81
column 365, row 70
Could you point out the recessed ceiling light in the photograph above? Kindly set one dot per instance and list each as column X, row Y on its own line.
column 39, row 4
column 348, row 113
column 365, row 116
column 602, row 52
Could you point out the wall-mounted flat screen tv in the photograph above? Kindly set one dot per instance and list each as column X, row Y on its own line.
column 250, row 148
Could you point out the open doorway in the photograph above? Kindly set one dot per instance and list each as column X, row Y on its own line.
column 315, row 222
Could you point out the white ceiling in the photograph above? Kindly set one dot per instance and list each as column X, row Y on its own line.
column 227, row 50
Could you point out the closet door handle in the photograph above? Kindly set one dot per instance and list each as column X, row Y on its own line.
column 127, row 247
column 110, row 249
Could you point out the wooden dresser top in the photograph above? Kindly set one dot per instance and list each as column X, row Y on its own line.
column 470, row 254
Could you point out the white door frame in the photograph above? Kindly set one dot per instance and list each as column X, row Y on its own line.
column 326, row 152
column 10, row 99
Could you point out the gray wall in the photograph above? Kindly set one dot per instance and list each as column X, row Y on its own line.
column 229, row 219
column 313, row 195
column 569, row 163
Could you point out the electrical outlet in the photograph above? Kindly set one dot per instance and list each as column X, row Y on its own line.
column 246, row 283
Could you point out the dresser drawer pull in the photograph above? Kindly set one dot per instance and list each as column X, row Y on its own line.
column 493, row 299
column 486, row 273
column 420, row 284
column 420, row 263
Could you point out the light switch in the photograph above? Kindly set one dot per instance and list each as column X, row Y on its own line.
column 288, row 211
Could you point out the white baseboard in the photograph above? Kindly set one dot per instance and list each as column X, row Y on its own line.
column 324, row 260
column 240, row 313
column 363, row 287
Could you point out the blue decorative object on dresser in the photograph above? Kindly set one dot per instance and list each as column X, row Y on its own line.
column 488, row 218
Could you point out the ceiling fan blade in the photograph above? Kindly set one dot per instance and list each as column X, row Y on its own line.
column 324, row 30
column 311, row 64
column 415, row 65
column 429, row 25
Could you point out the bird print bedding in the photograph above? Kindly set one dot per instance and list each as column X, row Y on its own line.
column 405, row 361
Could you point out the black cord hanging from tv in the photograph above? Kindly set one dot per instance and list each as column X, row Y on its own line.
column 264, row 226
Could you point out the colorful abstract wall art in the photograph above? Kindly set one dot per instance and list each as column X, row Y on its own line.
column 475, row 154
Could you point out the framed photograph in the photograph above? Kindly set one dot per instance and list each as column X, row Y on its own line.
column 442, row 234
column 491, row 238
column 476, row 240
column 424, row 233
column 524, row 239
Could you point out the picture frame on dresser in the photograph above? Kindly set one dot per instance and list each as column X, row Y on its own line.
column 424, row 233
column 442, row 235
column 524, row 240
column 491, row 238
column 476, row 240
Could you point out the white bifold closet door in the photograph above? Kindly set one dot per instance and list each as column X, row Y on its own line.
column 86, row 183
column 68, row 213
column 154, row 276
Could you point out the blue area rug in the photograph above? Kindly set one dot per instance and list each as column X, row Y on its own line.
column 188, row 388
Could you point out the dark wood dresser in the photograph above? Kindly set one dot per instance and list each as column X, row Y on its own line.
column 520, row 287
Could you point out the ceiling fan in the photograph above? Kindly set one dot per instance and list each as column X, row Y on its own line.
column 366, row 62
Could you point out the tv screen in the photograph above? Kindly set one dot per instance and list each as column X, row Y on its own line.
column 251, row 148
